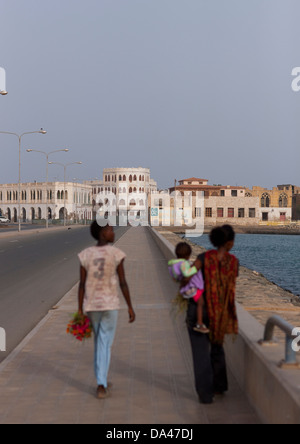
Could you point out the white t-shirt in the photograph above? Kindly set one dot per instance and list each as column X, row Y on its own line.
column 101, row 288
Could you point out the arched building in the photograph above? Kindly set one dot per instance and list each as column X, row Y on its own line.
column 39, row 200
column 276, row 205
column 129, row 188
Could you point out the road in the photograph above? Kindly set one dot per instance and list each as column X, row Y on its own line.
column 37, row 270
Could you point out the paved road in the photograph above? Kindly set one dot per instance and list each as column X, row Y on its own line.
column 37, row 269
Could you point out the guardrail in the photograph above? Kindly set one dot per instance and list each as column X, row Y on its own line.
column 290, row 360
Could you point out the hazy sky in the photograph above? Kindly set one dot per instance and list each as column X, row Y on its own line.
column 184, row 87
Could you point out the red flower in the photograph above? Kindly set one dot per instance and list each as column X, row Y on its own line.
column 80, row 327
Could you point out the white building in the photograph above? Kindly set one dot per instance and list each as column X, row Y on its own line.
column 39, row 200
column 129, row 188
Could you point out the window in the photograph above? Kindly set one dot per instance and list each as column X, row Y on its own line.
column 251, row 212
column 222, row 193
column 234, row 193
column 220, row 212
column 265, row 200
column 197, row 212
column 230, row 212
column 283, row 200
column 208, row 212
column 241, row 212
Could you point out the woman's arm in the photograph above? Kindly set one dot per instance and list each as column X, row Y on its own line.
column 81, row 289
column 125, row 291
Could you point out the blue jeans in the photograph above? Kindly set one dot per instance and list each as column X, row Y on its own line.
column 104, row 326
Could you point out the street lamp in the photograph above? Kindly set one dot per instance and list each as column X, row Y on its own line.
column 3, row 93
column 47, row 157
column 41, row 131
column 65, row 168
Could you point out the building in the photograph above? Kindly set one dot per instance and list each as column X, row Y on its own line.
column 39, row 200
column 222, row 204
column 296, row 207
column 276, row 205
column 129, row 188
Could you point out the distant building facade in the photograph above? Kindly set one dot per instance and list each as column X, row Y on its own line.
column 130, row 188
column 276, row 205
column 222, row 204
column 39, row 200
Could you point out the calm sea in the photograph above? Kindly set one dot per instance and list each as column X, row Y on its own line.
column 277, row 257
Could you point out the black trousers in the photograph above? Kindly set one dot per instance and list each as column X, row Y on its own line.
column 209, row 360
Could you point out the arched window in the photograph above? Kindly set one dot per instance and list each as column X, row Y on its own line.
column 130, row 178
column 283, row 200
column 134, row 177
column 265, row 200
column 120, row 177
column 130, row 190
column 124, row 178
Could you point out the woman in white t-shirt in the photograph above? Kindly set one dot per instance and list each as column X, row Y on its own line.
column 102, row 269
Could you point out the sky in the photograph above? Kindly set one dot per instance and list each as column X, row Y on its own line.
column 187, row 88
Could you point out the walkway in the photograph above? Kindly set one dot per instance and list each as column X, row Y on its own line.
column 49, row 377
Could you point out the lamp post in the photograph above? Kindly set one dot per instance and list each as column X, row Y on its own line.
column 41, row 131
column 65, row 168
column 47, row 157
column 3, row 93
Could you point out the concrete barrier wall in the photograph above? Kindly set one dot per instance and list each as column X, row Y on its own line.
column 273, row 392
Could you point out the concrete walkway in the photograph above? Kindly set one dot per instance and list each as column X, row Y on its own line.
column 49, row 378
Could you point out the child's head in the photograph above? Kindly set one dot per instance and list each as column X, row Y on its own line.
column 222, row 237
column 183, row 251
column 102, row 233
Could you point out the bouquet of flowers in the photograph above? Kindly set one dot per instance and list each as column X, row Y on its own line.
column 80, row 326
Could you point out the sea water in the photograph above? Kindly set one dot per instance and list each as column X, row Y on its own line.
column 277, row 257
